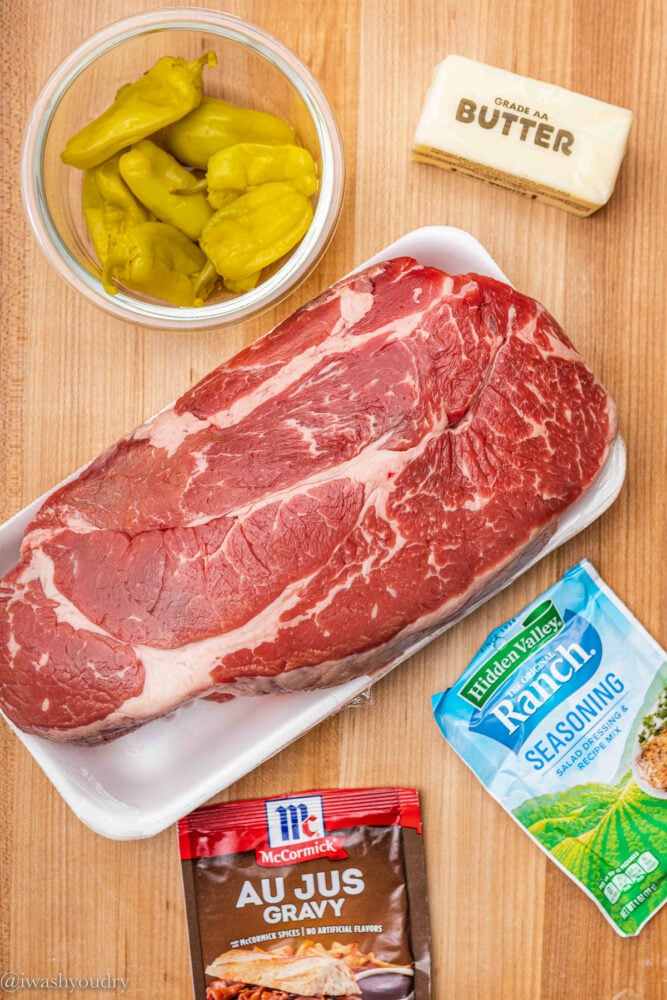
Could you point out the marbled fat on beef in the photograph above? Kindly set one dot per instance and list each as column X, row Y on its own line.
column 311, row 508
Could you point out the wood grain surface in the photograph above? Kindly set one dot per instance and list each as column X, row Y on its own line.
column 507, row 923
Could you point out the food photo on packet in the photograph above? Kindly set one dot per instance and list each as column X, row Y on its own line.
column 235, row 625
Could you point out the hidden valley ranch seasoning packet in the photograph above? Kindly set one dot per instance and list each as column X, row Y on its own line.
column 562, row 715
column 315, row 894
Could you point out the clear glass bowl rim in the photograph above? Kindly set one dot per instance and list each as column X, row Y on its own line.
column 303, row 258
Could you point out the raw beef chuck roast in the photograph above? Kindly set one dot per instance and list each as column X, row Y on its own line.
column 309, row 510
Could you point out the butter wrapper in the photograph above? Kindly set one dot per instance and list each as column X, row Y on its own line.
column 534, row 138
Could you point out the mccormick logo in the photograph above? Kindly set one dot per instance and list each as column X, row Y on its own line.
column 296, row 832
column 292, row 821
column 541, row 625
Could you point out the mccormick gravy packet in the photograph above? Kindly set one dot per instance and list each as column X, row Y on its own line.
column 562, row 715
column 316, row 894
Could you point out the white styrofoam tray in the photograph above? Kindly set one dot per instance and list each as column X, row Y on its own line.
column 143, row 782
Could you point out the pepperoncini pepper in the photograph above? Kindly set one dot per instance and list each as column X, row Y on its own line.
column 169, row 90
column 214, row 123
column 248, row 164
column 109, row 207
column 244, row 285
column 160, row 260
column 165, row 187
column 256, row 229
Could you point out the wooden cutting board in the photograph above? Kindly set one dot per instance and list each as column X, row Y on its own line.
column 507, row 923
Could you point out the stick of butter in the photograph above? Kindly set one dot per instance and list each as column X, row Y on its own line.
column 535, row 138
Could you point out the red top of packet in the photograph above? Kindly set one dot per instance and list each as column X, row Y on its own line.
column 254, row 824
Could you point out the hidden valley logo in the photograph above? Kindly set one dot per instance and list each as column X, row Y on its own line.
column 515, row 689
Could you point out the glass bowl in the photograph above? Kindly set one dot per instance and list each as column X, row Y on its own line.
column 254, row 70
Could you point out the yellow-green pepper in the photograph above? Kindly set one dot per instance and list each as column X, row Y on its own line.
column 244, row 285
column 248, row 164
column 160, row 260
column 165, row 187
column 170, row 89
column 109, row 207
column 256, row 229
column 215, row 123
